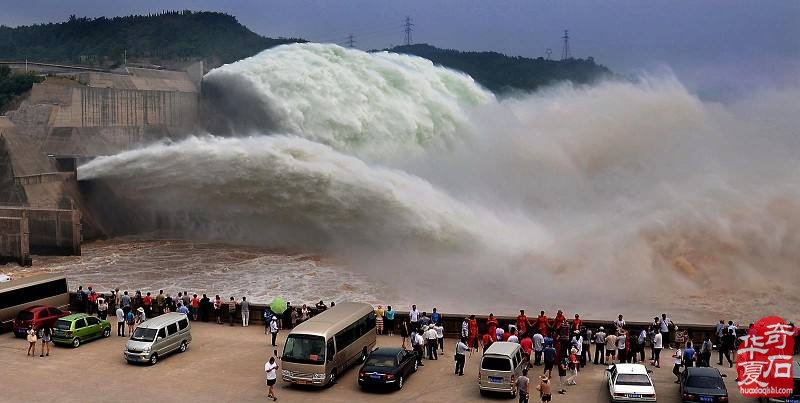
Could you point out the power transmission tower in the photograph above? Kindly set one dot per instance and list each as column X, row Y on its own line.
column 351, row 41
column 565, row 53
column 408, row 30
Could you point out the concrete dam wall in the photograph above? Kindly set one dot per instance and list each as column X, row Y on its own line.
column 77, row 114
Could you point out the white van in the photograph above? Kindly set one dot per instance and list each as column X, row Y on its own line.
column 501, row 364
column 157, row 337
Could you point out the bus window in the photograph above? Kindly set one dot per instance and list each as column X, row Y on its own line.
column 331, row 351
column 304, row 349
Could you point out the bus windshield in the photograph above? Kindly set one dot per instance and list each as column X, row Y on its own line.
column 304, row 349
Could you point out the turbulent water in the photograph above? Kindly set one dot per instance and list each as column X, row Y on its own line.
column 585, row 198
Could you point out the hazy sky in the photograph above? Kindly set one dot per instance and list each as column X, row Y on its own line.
column 711, row 45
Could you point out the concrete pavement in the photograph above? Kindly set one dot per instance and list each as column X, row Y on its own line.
column 225, row 364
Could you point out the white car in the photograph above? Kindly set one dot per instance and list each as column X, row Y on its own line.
column 630, row 383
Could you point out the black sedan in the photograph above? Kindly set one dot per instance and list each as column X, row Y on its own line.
column 387, row 366
column 699, row 384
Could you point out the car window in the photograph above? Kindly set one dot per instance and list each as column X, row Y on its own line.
column 55, row 312
column 496, row 364
column 401, row 356
column 633, row 380
column 515, row 361
column 705, row 382
column 92, row 320
column 172, row 328
column 183, row 324
column 79, row 323
column 162, row 332
column 25, row 315
column 381, row 361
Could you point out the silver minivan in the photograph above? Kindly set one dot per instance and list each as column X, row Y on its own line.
column 154, row 338
column 501, row 364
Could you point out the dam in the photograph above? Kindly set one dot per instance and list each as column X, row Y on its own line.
column 74, row 115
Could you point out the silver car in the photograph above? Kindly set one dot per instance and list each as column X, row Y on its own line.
column 157, row 337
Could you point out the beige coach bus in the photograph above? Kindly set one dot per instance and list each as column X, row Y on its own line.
column 40, row 289
column 318, row 350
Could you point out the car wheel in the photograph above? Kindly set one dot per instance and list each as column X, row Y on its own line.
column 183, row 346
column 513, row 393
column 400, row 382
column 153, row 359
column 76, row 342
column 332, row 378
column 364, row 355
column 107, row 332
column 483, row 392
column 416, row 366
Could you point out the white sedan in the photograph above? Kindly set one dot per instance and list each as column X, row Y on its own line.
column 630, row 383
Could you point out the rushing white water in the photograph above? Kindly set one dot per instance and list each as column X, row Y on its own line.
column 613, row 192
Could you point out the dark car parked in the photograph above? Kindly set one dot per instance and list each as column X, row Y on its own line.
column 705, row 385
column 36, row 316
column 387, row 366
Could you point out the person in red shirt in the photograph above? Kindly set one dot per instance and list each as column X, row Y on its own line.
column 147, row 301
column 473, row 332
column 542, row 323
column 491, row 327
column 576, row 324
column 486, row 341
column 527, row 346
column 560, row 318
column 195, row 306
column 522, row 322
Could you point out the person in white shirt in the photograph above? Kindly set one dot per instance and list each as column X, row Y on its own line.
column 440, row 336
column 538, row 347
column 413, row 316
column 657, row 346
column 678, row 356
column 431, row 342
column 460, row 355
column 271, row 370
column 513, row 338
column 120, row 322
column 500, row 333
column 273, row 329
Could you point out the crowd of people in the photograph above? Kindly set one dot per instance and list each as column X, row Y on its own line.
column 550, row 343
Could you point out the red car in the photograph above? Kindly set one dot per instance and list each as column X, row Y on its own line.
column 37, row 316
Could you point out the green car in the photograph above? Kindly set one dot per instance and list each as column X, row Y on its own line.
column 79, row 327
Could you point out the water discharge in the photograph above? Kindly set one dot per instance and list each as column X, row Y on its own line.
column 418, row 178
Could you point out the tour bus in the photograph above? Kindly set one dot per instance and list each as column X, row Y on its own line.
column 318, row 350
column 41, row 289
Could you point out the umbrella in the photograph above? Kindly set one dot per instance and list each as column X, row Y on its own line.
column 278, row 305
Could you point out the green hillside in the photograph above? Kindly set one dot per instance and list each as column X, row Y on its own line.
column 501, row 73
column 215, row 37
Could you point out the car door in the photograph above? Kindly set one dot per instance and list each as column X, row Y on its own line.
column 172, row 336
column 80, row 329
column 93, row 327
column 402, row 363
column 162, row 345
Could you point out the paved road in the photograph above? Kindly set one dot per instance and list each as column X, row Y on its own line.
column 225, row 364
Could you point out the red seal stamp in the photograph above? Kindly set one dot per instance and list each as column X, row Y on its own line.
column 764, row 359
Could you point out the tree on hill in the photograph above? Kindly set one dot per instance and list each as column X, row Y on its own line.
column 14, row 84
column 501, row 73
column 216, row 37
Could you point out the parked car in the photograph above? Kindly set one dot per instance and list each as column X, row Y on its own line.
column 157, row 337
column 387, row 366
column 79, row 327
column 501, row 364
column 630, row 383
column 700, row 384
column 37, row 316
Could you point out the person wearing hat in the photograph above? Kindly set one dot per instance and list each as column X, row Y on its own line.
column 273, row 329
column 545, row 392
column 573, row 366
column 141, row 317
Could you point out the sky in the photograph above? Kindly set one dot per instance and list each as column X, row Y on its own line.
column 715, row 47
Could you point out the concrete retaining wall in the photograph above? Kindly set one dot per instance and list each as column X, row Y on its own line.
column 14, row 243
column 50, row 231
